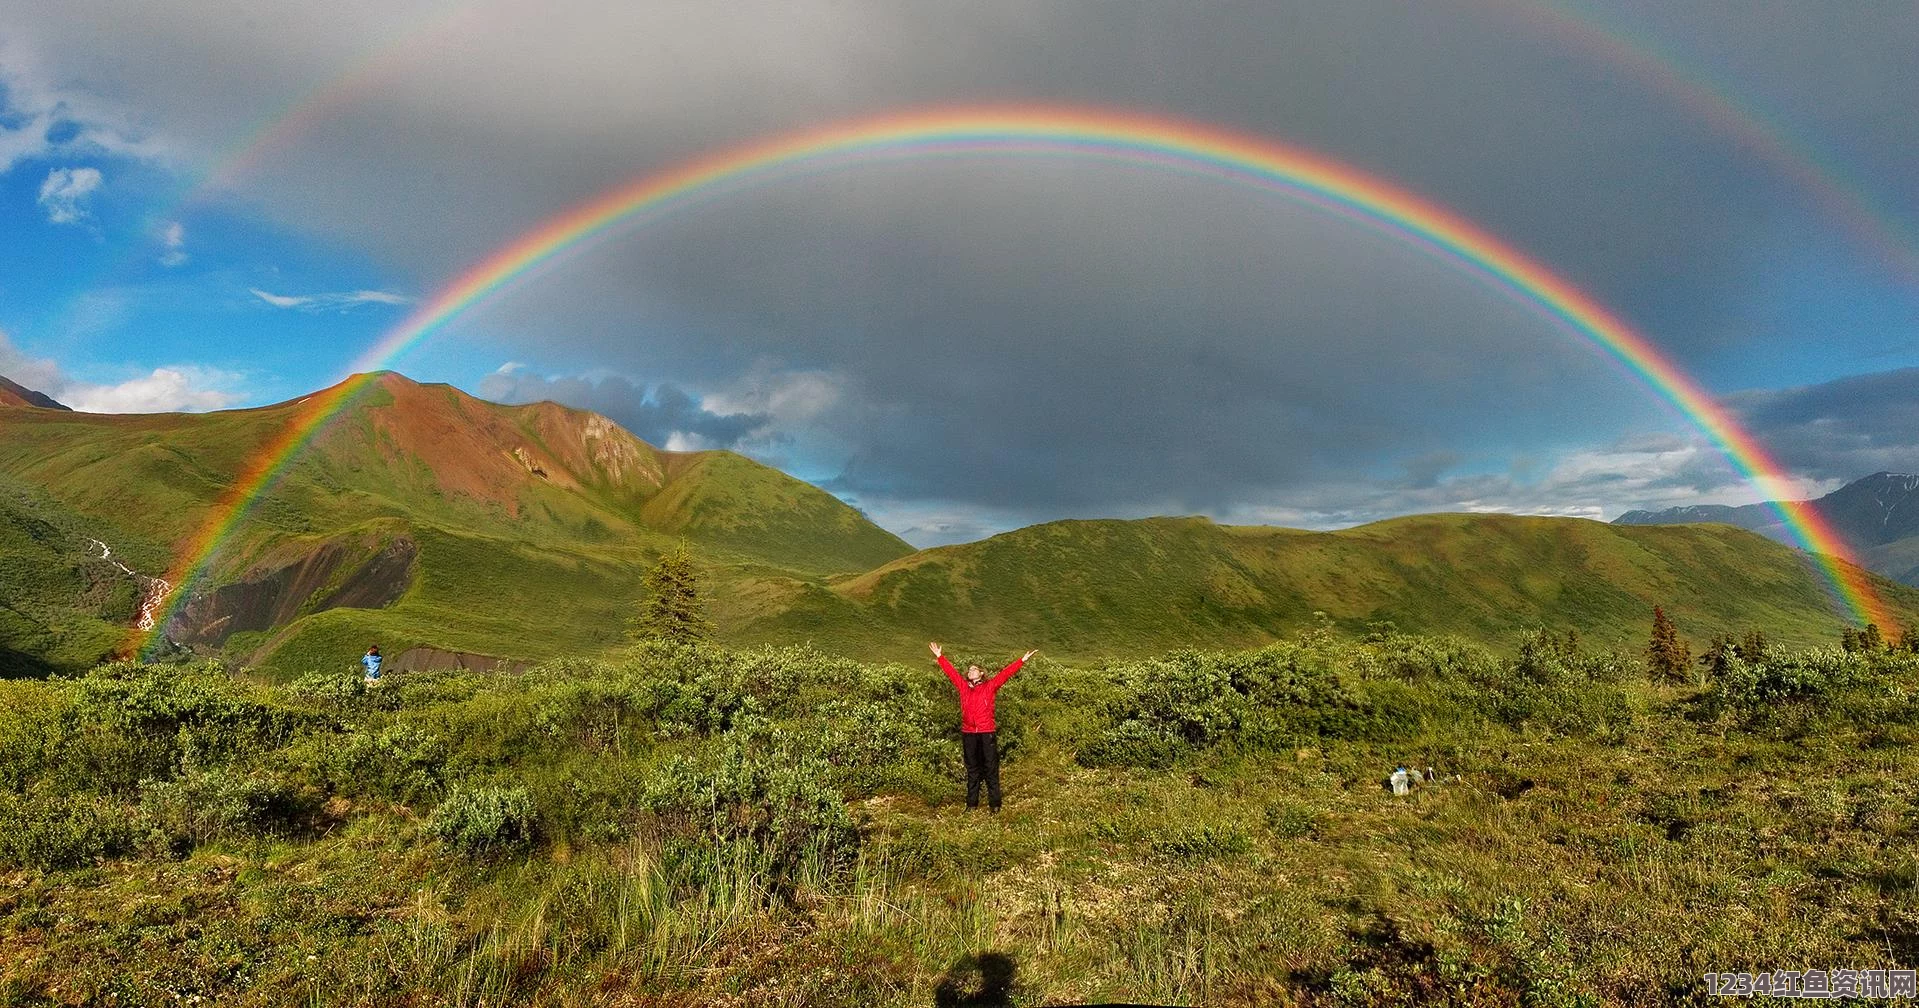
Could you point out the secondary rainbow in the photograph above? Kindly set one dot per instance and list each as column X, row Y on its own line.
column 1178, row 145
column 1851, row 205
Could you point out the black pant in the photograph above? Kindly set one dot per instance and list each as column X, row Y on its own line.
column 981, row 749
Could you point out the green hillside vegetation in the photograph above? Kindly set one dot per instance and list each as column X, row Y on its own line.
column 681, row 826
column 1092, row 588
column 529, row 529
column 533, row 523
column 61, row 608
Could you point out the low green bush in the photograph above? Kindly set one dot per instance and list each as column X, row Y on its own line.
column 129, row 723
column 31, row 729
column 759, row 786
column 218, row 803
column 484, row 820
column 58, row 832
column 402, row 762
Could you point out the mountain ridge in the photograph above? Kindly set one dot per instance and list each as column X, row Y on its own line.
column 508, row 509
column 419, row 516
column 14, row 394
column 1876, row 515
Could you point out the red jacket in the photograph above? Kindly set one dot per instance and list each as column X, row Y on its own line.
column 976, row 702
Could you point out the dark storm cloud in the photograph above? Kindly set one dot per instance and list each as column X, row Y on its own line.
column 1025, row 338
column 1839, row 430
column 655, row 415
column 1081, row 337
column 1519, row 122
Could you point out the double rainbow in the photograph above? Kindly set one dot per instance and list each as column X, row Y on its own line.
column 1184, row 147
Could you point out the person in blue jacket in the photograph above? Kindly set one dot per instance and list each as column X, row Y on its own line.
column 372, row 663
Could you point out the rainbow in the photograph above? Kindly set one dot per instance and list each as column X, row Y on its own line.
column 1869, row 221
column 1173, row 144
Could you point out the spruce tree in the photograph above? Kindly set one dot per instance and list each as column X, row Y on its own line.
column 1666, row 655
column 1720, row 652
column 673, row 613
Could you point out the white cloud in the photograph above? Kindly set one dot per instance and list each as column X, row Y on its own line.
column 1649, row 471
column 664, row 414
column 179, row 388
column 789, row 398
column 38, row 375
column 279, row 300
column 166, row 390
column 173, row 240
column 687, row 441
column 338, row 300
column 64, row 193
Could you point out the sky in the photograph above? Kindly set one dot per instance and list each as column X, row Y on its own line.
column 209, row 205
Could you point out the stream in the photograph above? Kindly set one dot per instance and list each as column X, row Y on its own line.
column 153, row 590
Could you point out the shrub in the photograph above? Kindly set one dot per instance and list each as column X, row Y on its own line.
column 134, row 722
column 1793, row 691
column 699, row 689
column 483, row 820
column 888, row 728
column 762, row 789
column 343, row 687
column 215, row 804
column 53, row 833
column 402, row 762
column 1132, row 743
column 30, row 731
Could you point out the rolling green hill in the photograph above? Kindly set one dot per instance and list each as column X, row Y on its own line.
column 1085, row 588
column 419, row 516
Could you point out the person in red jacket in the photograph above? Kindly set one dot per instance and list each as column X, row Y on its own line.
column 979, row 737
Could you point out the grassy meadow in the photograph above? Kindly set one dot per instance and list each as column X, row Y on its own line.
column 682, row 825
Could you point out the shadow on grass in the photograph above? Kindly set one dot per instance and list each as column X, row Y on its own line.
column 20, row 665
column 986, row 981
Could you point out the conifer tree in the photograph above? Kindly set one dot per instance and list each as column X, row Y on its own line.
column 673, row 613
column 1718, row 658
column 1666, row 655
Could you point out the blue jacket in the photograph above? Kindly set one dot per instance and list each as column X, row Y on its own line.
column 372, row 663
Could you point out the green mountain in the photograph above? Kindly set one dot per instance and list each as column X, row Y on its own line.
column 440, row 526
column 1103, row 587
column 418, row 515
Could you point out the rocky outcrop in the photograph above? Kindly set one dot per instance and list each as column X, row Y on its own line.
column 266, row 598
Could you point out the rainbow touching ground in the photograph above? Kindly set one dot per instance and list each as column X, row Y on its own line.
column 1171, row 144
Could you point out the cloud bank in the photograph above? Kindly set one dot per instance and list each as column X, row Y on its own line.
column 173, row 389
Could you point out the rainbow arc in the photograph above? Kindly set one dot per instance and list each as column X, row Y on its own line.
column 1170, row 144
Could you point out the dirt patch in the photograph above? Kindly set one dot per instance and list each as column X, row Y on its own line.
column 377, row 583
column 268, row 598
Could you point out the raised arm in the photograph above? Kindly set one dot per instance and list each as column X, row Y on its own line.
column 947, row 666
column 1008, row 672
